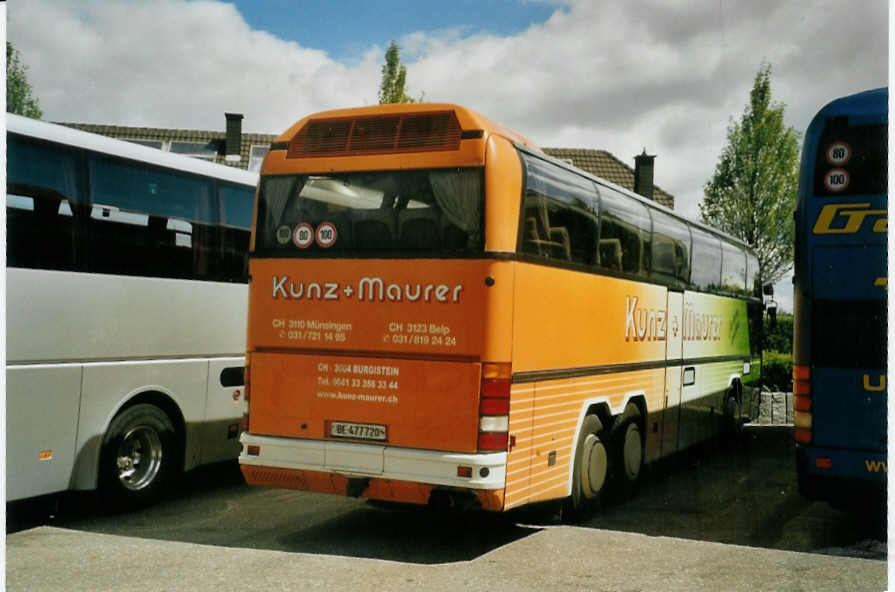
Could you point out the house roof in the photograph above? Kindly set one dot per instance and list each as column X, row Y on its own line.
column 179, row 135
column 606, row 166
column 599, row 163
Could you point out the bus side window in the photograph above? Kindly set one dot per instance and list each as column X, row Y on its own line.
column 236, row 207
column 150, row 222
column 706, row 268
column 670, row 250
column 753, row 278
column 626, row 222
column 559, row 218
column 543, row 239
column 733, row 269
column 43, row 183
column 611, row 253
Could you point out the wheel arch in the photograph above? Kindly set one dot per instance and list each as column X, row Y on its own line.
column 610, row 418
column 164, row 402
column 85, row 475
column 638, row 400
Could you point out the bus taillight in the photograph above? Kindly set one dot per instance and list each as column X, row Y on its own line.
column 802, row 412
column 494, row 408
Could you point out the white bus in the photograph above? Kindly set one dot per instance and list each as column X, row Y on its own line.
column 126, row 313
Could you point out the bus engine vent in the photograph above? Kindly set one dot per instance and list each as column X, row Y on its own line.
column 409, row 132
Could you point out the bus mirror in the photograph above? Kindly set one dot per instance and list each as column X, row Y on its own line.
column 768, row 289
column 772, row 313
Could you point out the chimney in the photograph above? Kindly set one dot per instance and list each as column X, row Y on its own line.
column 233, row 141
column 643, row 174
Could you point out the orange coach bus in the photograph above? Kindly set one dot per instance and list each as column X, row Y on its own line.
column 441, row 313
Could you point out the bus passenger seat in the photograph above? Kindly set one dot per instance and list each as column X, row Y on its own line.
column 419, row 229
column 611, row 253
column 452, row 237
column 559, row 236
column 373, row 229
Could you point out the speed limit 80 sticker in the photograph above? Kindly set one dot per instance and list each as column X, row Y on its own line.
column 838, row 153
column 303, row 235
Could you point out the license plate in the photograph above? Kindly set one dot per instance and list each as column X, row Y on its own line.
column 357, row 431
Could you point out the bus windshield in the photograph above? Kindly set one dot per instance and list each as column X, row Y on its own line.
column 409, row 213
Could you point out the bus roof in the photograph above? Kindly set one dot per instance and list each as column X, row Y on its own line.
column 469, row 119
column 61, row 134
column 869, row 102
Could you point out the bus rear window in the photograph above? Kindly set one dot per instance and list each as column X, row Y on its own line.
column 415, row 213
column 848, row 333
column 851, row 159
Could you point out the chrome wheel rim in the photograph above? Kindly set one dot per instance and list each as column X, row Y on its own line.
column 139, row 458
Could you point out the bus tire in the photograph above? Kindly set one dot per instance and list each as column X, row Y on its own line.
column 588, row 473
column 138, row 457
column 628, row 450
column 733, row 420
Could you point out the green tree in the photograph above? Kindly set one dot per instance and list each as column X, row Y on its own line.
column 394, row 77
column 19, row 99
column 752, row 193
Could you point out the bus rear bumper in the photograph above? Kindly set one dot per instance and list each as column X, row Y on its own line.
column 371, row 471
column 841, row 476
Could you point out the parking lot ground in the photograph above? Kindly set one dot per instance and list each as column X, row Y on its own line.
column 708, row 519
column 555, row 558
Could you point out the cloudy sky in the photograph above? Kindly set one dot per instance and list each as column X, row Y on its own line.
column 665, row 75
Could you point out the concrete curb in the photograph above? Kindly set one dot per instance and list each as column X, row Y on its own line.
column 775, row 409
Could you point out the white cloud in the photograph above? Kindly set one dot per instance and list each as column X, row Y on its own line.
column 665, row 75
column 175, row 64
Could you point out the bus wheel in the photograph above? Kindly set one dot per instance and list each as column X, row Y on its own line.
column 733, row 417
column 629, row 449
column 589, row 471
column 138, row 456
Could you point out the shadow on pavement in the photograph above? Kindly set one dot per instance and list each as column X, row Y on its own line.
column 743, row 493
column 411, row 534
column 213, row 506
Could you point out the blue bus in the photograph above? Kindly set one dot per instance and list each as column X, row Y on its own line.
column 839, row 357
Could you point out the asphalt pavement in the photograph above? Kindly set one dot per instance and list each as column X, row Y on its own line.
column 48, row 559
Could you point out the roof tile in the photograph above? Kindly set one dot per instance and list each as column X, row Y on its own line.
column 606, row 166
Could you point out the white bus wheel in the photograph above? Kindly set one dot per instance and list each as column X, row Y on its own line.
column 589, row 471
column 138, row 456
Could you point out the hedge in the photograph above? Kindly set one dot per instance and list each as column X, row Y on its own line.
column 778, row 371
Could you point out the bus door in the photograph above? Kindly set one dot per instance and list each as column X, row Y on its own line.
column 673, row 373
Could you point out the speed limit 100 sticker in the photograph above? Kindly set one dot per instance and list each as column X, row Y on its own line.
column 303, row 235
column 838, row 153
column 836, row 179
column 326, row 234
